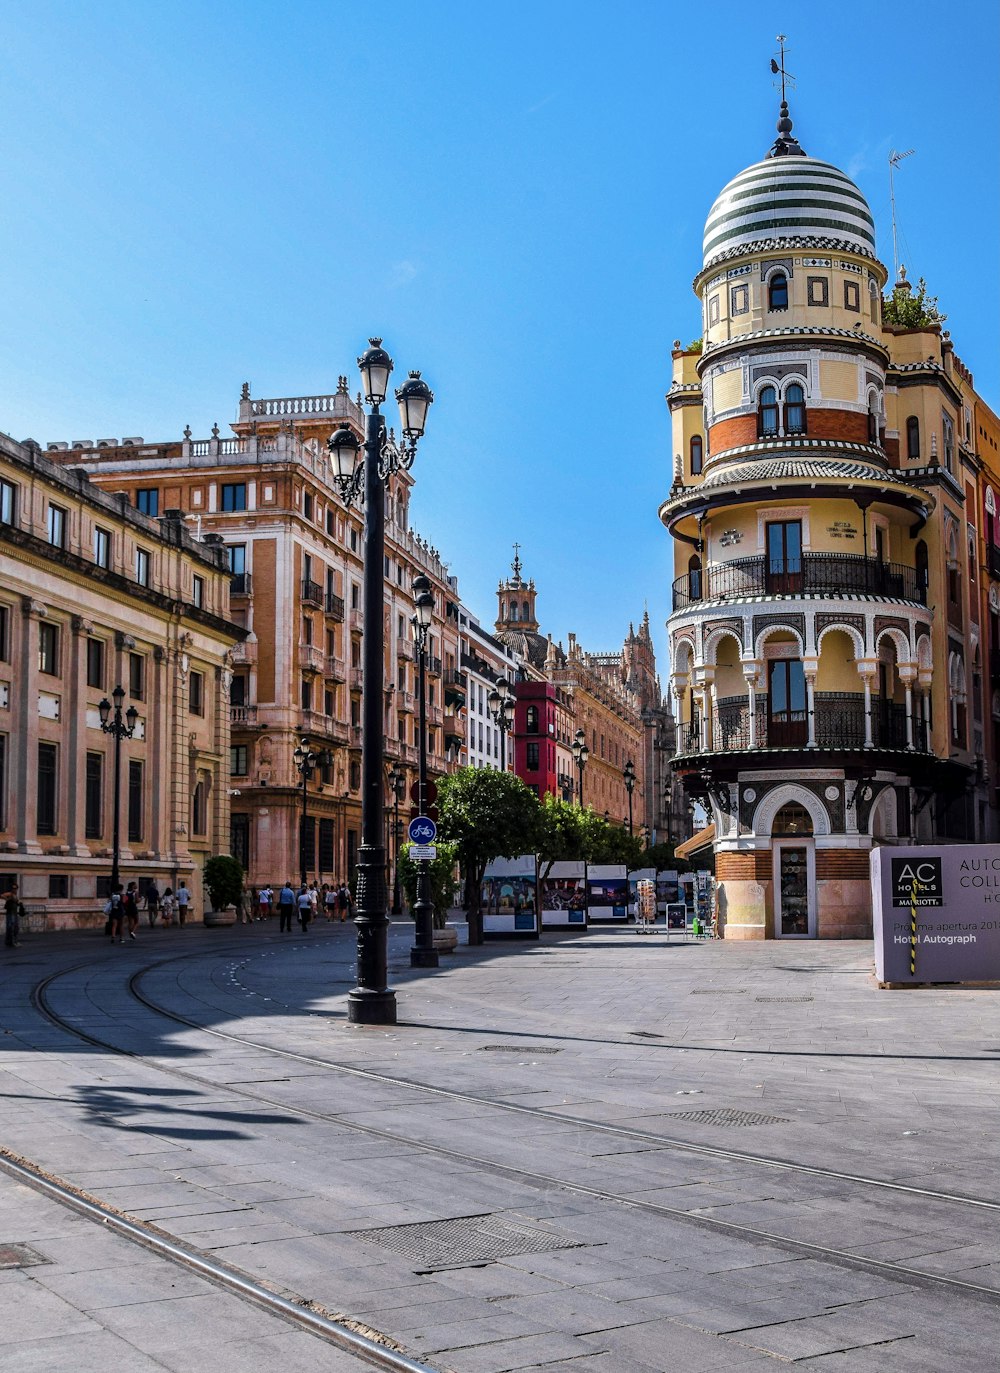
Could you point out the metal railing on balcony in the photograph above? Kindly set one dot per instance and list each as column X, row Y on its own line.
column 455, row 680
column 241, row 584
column 814, row 574
column 243, row 717
column 434, row 667
column 312, row 592
column 838, row 723
column 334, row 606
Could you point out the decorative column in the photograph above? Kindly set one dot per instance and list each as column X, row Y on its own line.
column 867, row 668
column 810, row 667
column 678, row 686
column 74, row 713
column 751, row 672
column 25, row 762
column 907, row 675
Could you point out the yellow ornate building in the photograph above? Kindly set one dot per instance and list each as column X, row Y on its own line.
column 824, row 630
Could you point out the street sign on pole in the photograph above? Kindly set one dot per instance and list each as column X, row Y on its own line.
column 423, row 852
column 430, row 792
column 422, row 830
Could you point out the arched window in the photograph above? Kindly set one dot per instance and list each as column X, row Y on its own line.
column 531, row 720
column 513, row 610
column 913, row 438
column 767, row 412
column 696, row 455
column 873, row 419
column 795, row 410
column 694, row 578
column 525, row 611
column 777, row 292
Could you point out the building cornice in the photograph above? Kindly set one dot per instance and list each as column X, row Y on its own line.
column 798, row 333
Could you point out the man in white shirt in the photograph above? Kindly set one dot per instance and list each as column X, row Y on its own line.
column 183, row 898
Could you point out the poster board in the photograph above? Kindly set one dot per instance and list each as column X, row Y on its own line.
column 509, row 898
column 563, row 897
column 668, row 890
column 607, row 892
column 940, row 903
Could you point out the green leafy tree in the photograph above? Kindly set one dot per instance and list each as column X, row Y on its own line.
column 487, row 814
column 561, row 836
column 223, row 879
column 604, row 842
column 662, row 857
column 909, row 309
column 442, row 875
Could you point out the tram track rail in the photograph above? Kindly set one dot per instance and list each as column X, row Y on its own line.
column 897, row 1271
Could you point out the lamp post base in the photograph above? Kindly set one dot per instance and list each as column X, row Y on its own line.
column 423, row 958
column 371, row 1008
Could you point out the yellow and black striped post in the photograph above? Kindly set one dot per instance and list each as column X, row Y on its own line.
column 913, row 926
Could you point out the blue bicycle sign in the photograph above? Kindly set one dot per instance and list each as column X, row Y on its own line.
column 422, row 830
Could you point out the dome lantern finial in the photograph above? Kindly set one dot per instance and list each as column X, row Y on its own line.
column 785, row 145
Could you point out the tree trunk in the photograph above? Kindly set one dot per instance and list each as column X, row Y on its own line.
column 476, row 906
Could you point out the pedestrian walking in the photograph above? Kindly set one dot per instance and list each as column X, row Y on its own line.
column 115, row 911
column 244, row 911
column 131, row 904
column 343, row 901
column 152, row 903
column 13, row 910
column 264, row 900
column 183, row 900
column 286, row 905
column 313, row 901
column 167, row 906
column 304, row 902
column 329, row 901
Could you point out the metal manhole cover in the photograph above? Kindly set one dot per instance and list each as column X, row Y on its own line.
column 463, row 1241
column 783, row 998
column 725, row 1116
column 519, row 1049
column 20, row 1256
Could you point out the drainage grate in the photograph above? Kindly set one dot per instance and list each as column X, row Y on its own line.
column 784, row 998
column 519, row 1049
column 20, row 1256
column 725, row 1116
column 463, row 1241
column 645, row 1034
column 718, row 991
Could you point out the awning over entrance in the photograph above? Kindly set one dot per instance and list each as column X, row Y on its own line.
column 702, row 840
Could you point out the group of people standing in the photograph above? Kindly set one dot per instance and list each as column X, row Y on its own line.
column 305, row 902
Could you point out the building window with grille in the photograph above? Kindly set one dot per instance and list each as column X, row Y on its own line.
column 777, row 292
column 95, row 663
column 767, row 413
column 531, row 757
column 531, row 720
column 102, row 547
column 694, row 578
column 238, row 760
column 94, row 796
column 48, row 808
column 795, row 410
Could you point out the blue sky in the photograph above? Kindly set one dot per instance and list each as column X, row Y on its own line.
column 512, row 196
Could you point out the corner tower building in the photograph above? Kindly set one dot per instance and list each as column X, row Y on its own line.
column 800, row 633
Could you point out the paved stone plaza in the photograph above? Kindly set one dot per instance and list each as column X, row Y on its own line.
column 536, row 1099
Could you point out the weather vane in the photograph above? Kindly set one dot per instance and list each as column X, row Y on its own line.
column 778, row 68
column 516, row 564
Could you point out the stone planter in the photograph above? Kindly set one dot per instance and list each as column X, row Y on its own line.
column 226, row 917
column 446, row 940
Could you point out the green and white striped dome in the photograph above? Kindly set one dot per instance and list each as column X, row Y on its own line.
column 788, row 198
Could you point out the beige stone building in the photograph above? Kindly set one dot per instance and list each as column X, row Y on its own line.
column 295, row 557
column 94, row 594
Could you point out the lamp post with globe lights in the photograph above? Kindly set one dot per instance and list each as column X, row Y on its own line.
column 372, row 1002
column 397, row 788
column 628, row 777
column 580, row 753
column 501, row 705
column 423, row 954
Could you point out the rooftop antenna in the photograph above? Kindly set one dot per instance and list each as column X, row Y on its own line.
column 778, row 69
column 894, row 160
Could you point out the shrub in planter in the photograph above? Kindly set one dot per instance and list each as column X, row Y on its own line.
column 223, row 880
column 442, row 876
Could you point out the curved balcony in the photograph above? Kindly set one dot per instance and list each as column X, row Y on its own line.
column 813, row 574
column 838, row 724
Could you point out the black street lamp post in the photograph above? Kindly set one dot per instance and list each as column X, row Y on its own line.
column 581, row 753
column 628, row 777
column 501, row 706
column 119, row 727
column 372, row 1002
column 305, row 761
column 423, row 954
column 397, row 787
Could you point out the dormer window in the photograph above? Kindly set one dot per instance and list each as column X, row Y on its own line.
column 767, row 413
column 777, row 292
column 795, row 410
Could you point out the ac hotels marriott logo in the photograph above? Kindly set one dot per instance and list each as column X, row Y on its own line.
column 917, row 882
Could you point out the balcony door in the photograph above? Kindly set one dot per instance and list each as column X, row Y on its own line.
column 784, row 558
column 787, row 722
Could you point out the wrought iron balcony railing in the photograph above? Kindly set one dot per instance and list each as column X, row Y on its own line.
column 812, row 574
column 838, row 723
